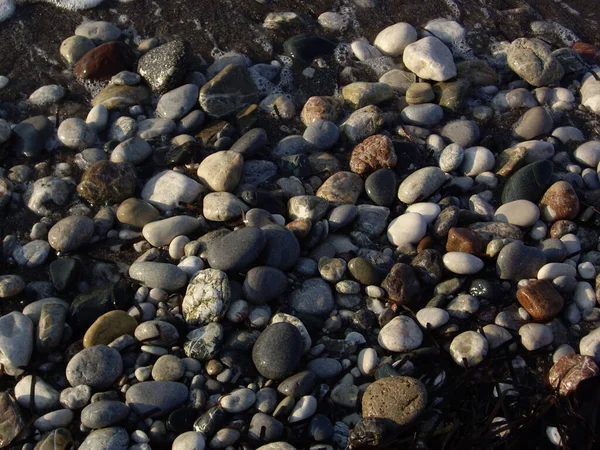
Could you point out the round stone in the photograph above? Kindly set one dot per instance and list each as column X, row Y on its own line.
column 167, row 368
column 381, row 187
column 409, row 228
column 236, row 250
column 313, row 297
column 98, row 367
column 423, row 115
column 74, row 47
column 429, row 58
column 221, row 171
column 532, row 60
column 277, row 351
column 392, row 41
column 341, row 187
column 190, row 440
column 156, row 398
column 207, row 297
column 521, row 213
column 263, row 284
column 303, row 409
column 136, row 212
column 477, row 160
column 432, row 317
column 400, row 334
column 469, row 348
column 322, row 134
column 400, row 399
column 374, row 153
column 71, row 233
column 75, row 133
column 107, row 182
column 238, row 401
column 177, row 103
column 104, row 413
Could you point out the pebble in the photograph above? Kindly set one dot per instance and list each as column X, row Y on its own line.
column 393, row 40
column 399, row 399
column 161, row 232
column 168, row 368
column 16, row 341
column 421, row 184
column 104, row 413
column 462, row 263
column 277, row 351
column 535, row 336
column 532, row 60
column 97, row 367
column 313, row 297
column 401, row 334
column 45, row 397
column 167, row 189
column 469, row 349
column 158, row 275
column 207, row 297
column 134, row 151
column 115, row 438
column 75, row 133
column 11, row 285
column 304, row 408
column 521, row 213
column 156, row 398
column 221, row 171
column 433, row 318
column 238, row 401
column 541, row 300
column 190, row 440
column 425, row 114
column 71, row 233
column 47, row 95
column 429, row 58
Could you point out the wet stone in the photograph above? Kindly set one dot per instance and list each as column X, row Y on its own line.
column 107, row 182
column 277, row 351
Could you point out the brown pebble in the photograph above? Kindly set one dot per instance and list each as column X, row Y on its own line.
column 213, row 367
column 424, row 244
column 590, row 53
column 541, row 300
column 562, row 227
column 109, row 327
column 570, row 370
column 465, row 240
column 559, row 202
column 402, row 284
column 104, row 61
column 401, row 399
column 374, row 153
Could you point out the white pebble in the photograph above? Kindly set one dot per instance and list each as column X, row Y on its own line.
column 462, row 263
column 303, row 409
column 535, row 336
column 586, row 270
column 469, row 348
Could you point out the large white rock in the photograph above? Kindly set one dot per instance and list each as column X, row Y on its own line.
column 409, row 228
column 535, row 336
column 166, row 189
column 521, row 213
column 16, row 342
column 429, row 58
column 392, row 41
column 590, row 92
column 401, row 334
column 462, row 263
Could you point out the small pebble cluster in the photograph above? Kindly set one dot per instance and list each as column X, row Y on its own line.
column 303, row 292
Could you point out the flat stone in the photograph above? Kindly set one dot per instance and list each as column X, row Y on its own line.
column 104, row 61
column 237, row 250
column 176, row 103
column 11, row 418
column 535, row 122
column 116, row 96
column 75, row 133
column 408, row 228
column 97, row 366
column 535, row 336
column 264, row 284
column 103, row 414
column 108, row 327
column 282, row 248
column 521, row 213
column 400, row 399
column 161, row 232
column 47, row 95
column 362, row 123
column 222, row 207
column 136, row 212
column 362, row 93
column 45, row 397
column 99, row 31
column 421, row 184
column 134, row 151
column 532, row 60
column 517, row 261
column 158, row 275
column 74, row 47
column 228, row 92
column 157, row 333
column 156, row 398
column 392, row 41
column 424, row 115
column 341, row 188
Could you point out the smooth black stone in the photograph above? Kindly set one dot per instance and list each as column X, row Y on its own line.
column 529, row 182
column 86, row 308
column 381, row 187
column 64, row 272
column 282, row 249
column 183, row 154
column 211, row 421
column 182, row 420
column 320, row 428
column 298, row 385
column 486, row 289
column 267, row 200
column 251, row 142
column 237, row 250
column 30, row 135
column 307, row 47
column 296, row 165
column 277, row 351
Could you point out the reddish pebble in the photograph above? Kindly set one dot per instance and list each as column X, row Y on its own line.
column 570, row 370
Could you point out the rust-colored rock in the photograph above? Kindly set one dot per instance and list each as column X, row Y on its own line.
column 402, row 284
column 562, row 227
column 104, row 61
column 590, row 53
column 107, row 182
column 465, row 240
column 374, row 153
column 320, row 108
column 570, row 370
column 541, row 300
column 559, row 202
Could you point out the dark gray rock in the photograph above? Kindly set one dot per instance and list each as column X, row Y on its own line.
column 251, row 142
column 237, row 250
column 104, row 413
column 156, row 398
column 277, row 351
column 115, row 438
column 30, row 135
column 381, row 187
column 529, row 182
column 517, row 261
column 313, row 297
column 264, row 428
column 97, row 366
column 263, row 284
